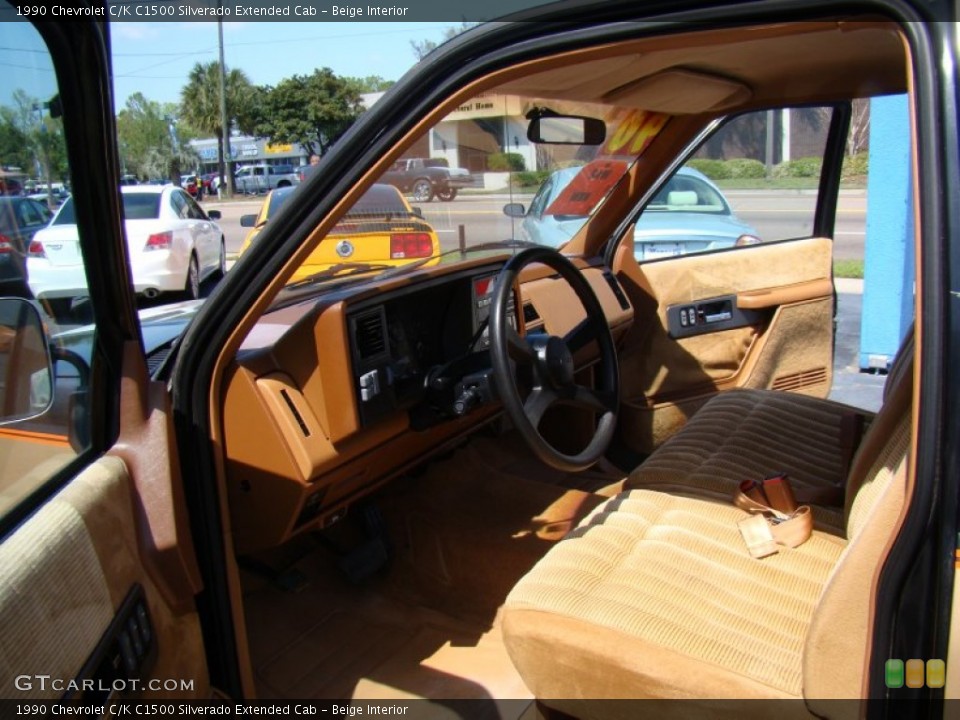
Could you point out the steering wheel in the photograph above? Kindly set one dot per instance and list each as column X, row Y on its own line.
column 550, row 359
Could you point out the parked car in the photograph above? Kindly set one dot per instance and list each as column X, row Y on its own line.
column 426, row 178
column 172, row 242
column 381, row 229
column 546, row 484
column 20, row 219
column 261, row 178
column 194, row 185
column 56, row 197
column 211, row 181
column 688, row 214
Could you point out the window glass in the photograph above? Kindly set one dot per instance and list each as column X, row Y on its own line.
column 45, row 408
column 193, row 210
column 29, row 215
column 179, row 203
column 754, row 180
column 141, row 206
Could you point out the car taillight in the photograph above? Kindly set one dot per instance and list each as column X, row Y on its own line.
column 36, row 249
column 159, row 241
column 747, row 240
column 6, row 245
column 410, row 245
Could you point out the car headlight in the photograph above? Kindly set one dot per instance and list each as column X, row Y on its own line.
column 747, row 240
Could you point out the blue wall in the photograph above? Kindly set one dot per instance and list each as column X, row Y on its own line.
column 888, row 258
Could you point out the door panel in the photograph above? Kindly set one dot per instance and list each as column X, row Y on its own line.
column 64, row 574
column 785, row 289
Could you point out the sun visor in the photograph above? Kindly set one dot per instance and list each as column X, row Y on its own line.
column 680, row 92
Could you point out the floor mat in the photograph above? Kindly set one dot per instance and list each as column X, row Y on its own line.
column 333, row 641
column 461, row 535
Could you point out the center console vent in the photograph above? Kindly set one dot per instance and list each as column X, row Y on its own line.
column 369, row 335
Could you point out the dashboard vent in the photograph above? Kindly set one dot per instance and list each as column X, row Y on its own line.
column 530, row 314
column 369, row 336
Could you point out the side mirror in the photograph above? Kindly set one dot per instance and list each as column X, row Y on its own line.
column 26, row 370
column 418, row 211
column 248, row 220
column 214, row 214
column 514, row 210
column 566, row 130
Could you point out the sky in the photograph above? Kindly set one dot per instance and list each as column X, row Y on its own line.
column 155, row 58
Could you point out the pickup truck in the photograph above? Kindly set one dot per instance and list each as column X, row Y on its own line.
column 424, row 178
column 264, row 178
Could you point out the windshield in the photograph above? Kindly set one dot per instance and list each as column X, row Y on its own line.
column 475, row 178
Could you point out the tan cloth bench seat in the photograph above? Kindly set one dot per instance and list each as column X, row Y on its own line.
column 660, row 588
column 752, row 434
column 654, row 595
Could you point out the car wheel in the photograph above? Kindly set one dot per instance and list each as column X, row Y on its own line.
column 447, row 195
column 222, row 266
column 422, row 190
column 191, row 287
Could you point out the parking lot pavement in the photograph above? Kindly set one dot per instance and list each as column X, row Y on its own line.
column 850, row 386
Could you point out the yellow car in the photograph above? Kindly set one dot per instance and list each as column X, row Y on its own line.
column 380, row 228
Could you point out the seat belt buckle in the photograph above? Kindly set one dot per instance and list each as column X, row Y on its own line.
column 775, row 518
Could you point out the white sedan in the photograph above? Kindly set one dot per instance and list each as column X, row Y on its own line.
column 172, row 243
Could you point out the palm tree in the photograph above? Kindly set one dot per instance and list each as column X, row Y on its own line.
column 200, row 103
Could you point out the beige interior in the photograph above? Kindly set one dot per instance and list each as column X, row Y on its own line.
column 617, row 609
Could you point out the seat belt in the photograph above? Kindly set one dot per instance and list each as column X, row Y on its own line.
column 776, row 519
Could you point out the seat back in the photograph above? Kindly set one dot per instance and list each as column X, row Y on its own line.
column 837, row 644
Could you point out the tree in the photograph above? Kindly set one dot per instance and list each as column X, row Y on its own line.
column 149, row 135
column 370, row 84
column 200, row 103
column 312, row 110
column 859, row 138
column 422, row 48
column 31, row 139
column 14, row 143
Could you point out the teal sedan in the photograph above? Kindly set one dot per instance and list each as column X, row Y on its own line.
column 688, row 214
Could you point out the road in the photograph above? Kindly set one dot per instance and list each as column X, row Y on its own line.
column 774, row 214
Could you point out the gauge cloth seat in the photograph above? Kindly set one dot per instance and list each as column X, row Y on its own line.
column 654, row 595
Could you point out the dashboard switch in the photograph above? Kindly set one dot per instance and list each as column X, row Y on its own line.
column 369, row 385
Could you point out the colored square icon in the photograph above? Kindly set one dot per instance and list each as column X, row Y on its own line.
column 915, row 673
column 936, row 673
column 893, row 673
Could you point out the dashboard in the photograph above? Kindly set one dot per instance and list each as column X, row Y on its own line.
column 425, row 349
column 329, row 398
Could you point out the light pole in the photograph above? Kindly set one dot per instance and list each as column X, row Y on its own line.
column 226, row 177
column 173, row 167
column 43, row 161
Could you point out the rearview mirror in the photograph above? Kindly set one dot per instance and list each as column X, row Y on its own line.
column 26, row 372
column 566, row 130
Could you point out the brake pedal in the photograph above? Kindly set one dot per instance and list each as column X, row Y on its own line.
column 373, row 554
